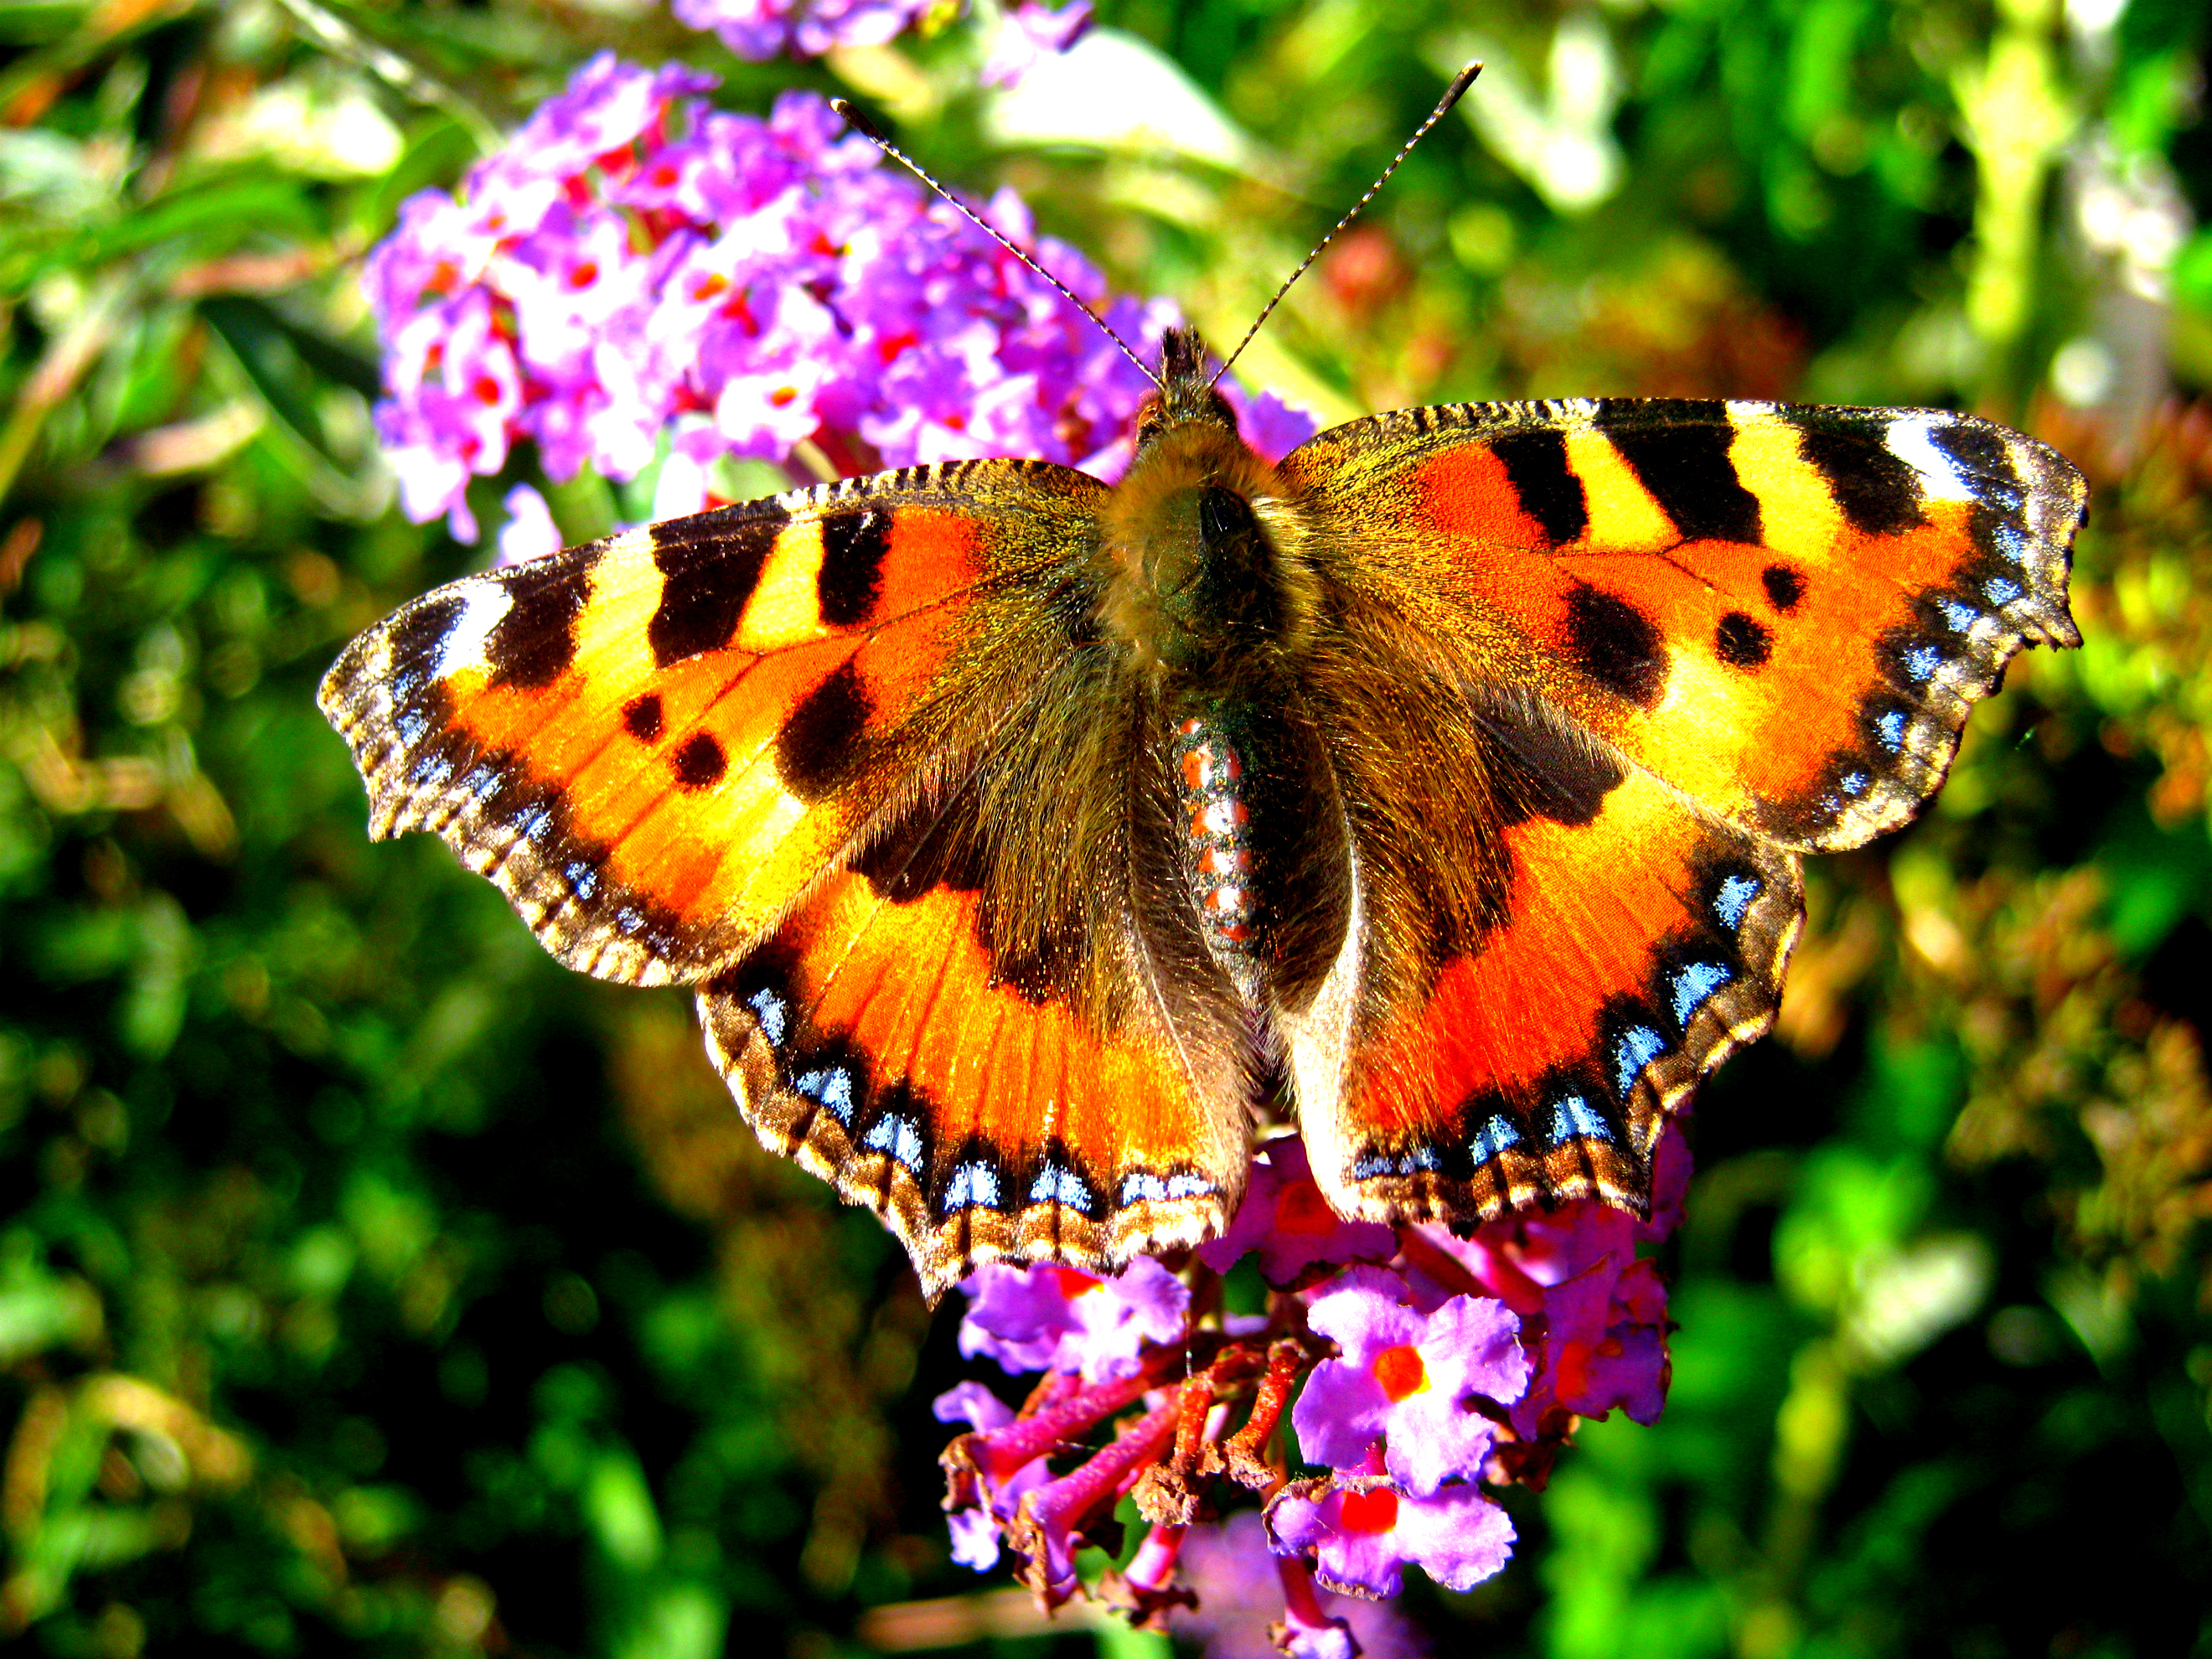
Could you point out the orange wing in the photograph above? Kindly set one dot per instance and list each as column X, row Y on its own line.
column 850, row 760
column 1637, row 654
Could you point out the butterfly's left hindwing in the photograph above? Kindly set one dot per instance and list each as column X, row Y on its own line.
column 1598, row 672
column 991, row 1028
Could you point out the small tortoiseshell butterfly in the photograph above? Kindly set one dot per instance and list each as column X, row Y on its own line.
column 1023, row 834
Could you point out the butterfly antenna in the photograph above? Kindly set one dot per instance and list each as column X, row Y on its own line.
column 1460, row 83
column 867, row 129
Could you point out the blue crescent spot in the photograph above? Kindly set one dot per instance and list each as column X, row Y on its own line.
column 430, row 771
column 1054, row 1185
column 1961, row 617
column 1922, row 662
column 1638, row 1046
column 833, row 1088
column 769, row 1007
column 1890, row 728
column 481, row 783
column 1694, row 984
column 628, row 920
column 973, row 1186
column 1402, row 1164
column 1573, row 1120
column 1734, row 899
column 583, row 879
column 898, row 1136
column 1496, row 1135
column 1854, row 784
column 412, row 725
column 1143, row 1186
column 2011, row 544
column 1998, row 590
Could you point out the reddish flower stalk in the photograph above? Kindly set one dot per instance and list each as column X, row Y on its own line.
column 1243, row 1455
column 1046, row 1530
column 994, row 1455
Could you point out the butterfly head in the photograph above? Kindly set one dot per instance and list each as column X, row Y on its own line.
column 1186, row 397
column 1206, row 571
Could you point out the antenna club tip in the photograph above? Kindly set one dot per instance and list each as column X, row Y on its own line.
column 854, row 119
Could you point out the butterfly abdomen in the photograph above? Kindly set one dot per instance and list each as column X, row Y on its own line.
column 1218, row 851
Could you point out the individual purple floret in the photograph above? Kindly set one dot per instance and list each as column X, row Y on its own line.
column 1243, row 1607
column 530, row 532
column 1406, row 1379
column 638, row 276
column 758, row 30
column 1032, row 31
column 1051, row 1318
column 1286, row 1219
column 1360, row 1532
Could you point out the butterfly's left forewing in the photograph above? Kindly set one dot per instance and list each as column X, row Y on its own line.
column 1657, row 646
column 653, row 744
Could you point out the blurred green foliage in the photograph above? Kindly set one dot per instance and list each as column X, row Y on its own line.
column 366, row 1282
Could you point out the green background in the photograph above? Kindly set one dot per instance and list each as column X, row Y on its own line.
column 369, row 1284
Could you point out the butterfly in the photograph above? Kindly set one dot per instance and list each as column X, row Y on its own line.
column 1023, row 835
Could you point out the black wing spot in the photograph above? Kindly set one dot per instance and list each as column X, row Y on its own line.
column 699, row 761
column 642, row 717
column 1616, row 645
column 1784, row 586
column 1742, row 641
column 815, row 750
column 1678, row 450
column 534, row 642
column 709, row 566
column 851, row 575
column 1536, row 466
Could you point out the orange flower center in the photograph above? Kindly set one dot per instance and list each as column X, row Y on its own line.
column 1074, row 1283
column 1300, row 1208
column 1399, row 1371
column 1373, row 1510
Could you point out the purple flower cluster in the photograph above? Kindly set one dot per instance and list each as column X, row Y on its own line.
column 761, row 29
column 639, row 276
column 1415, row 1370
